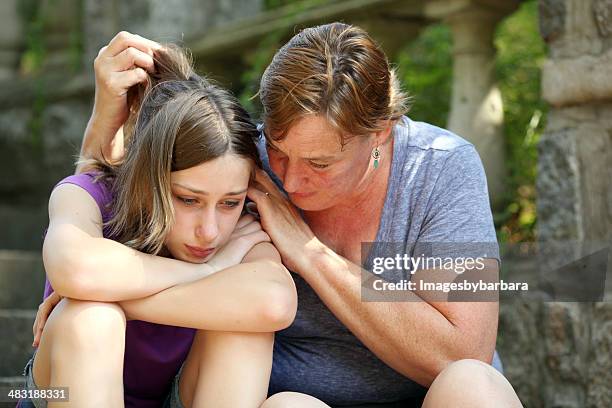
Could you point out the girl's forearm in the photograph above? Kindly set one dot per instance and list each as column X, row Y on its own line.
column 100, row 269
column 253, row 297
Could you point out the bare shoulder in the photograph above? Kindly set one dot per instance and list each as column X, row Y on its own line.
column 262, row 251
column 71, row 204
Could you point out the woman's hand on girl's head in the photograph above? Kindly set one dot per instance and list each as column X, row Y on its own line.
column 246, row 235
column 122, row 63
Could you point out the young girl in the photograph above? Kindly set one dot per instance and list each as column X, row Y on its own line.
column 194, row 326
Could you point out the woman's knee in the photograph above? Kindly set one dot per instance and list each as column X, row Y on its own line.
column 471, row 383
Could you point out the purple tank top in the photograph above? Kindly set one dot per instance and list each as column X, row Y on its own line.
column 153, row 352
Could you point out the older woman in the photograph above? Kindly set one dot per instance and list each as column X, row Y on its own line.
column 347, row 167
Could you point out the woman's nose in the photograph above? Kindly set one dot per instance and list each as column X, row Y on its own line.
column 292, row 177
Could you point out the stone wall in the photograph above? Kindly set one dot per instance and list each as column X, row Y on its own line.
column 558, row 354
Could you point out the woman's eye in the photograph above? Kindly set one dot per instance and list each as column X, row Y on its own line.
column 318, row 166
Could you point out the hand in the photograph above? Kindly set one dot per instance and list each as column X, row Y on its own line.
column 246, row 235
column 122, row 63
column 44, row 310
column 282, row 221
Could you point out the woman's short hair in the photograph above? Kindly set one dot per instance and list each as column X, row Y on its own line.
column 335, row 70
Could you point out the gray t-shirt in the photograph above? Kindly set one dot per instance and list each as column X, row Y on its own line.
column 437, row 193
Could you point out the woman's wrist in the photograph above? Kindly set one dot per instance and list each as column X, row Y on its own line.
column 314, row 257
column 102, row 136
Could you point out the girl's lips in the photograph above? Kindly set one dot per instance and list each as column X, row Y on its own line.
column 199, row 252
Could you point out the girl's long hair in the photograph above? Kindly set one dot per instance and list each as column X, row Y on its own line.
column 177, row 120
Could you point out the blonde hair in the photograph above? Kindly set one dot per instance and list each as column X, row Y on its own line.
column 336, row 70
column 178, row 120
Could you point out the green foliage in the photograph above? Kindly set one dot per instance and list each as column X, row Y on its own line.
column 259, row 59
column 34, row 54
column 425, row 67
column 520, row 56
column 33, row 58
column 31, row 64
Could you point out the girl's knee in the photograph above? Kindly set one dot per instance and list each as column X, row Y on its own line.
column 87, row 322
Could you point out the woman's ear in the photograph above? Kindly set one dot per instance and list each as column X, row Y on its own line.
column 383, row 135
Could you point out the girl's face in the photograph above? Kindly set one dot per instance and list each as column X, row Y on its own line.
column 208, row 200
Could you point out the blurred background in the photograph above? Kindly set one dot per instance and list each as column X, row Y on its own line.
column 528, row 82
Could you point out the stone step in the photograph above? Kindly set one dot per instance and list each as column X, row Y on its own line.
column 22, row 279
column 16, row 340
column 14, row 383
column 23, row 225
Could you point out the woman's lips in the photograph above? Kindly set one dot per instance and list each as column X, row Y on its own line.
column 300, row 195
column 199, row 252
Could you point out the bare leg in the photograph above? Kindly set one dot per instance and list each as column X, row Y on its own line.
column 471, row 384
column 293, row 400
column 82, row 347
column 227, row 369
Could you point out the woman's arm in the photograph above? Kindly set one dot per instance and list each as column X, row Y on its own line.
column 124, row 62
column 258, row 295
column 81, row 264
column 392, row 330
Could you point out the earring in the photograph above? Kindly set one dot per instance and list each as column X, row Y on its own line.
column 376, row 156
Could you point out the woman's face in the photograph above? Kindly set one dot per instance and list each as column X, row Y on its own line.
column 316, row 171
column 208, row 200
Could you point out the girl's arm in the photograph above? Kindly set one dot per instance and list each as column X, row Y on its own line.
column 81, row 264
column 256, row 296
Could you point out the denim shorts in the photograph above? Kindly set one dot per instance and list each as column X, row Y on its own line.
column 172, row 399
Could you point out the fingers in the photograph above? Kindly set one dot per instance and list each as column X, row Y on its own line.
column 256, row 194
column 248, row 229
column 34, row 327
column 124, row 40
column 252, row 209
column 245, row 220
column 265, row 183
column 257, row 237
column 122, row 81
column 44, row 310
column 38, row 334
column 131, row 57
